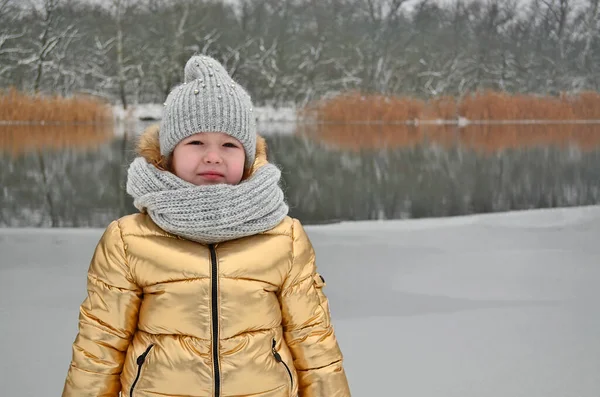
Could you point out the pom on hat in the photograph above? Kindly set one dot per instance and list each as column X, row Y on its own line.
column 208, row 101
column 197, row 66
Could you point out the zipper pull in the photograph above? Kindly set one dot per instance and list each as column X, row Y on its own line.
column 275, row 353
column 142, row 357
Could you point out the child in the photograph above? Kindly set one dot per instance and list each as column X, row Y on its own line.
column 212, row 289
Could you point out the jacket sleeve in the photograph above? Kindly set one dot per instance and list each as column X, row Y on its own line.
column 107, row 320
column 307, row 325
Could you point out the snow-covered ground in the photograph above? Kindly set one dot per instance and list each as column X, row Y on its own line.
column 502, row 305
column 270, row 120
column 154, row 111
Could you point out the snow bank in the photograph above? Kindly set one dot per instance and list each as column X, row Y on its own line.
column 141, row 112
column 270, row 120
column 154, row 111
column 486, row 305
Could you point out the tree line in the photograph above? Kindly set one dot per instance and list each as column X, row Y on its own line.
column 295, row 51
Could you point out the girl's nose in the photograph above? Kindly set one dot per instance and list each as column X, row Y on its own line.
column 212, row 157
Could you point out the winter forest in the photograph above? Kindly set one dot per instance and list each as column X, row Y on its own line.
column 295, row 51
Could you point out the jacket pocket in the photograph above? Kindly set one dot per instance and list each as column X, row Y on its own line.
column 280, row 360
column 319, row 283
column 140, row 363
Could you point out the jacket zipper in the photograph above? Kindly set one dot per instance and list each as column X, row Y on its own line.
column 280, row 360
column 215, row 318
column 140, row 362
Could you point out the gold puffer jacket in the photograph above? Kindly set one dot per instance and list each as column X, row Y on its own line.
column 166, row 316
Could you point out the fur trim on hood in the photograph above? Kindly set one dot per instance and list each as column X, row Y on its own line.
column 148, row 147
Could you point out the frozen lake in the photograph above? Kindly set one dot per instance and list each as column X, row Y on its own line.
column 486, row 305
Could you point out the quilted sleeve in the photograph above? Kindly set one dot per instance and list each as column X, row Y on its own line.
column 107, row 320
column 307, row 325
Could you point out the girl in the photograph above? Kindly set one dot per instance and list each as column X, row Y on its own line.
column 212, row 289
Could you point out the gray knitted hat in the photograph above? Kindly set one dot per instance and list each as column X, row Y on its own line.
column 208, row 101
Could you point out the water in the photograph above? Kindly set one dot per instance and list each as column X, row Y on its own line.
column 61, row 176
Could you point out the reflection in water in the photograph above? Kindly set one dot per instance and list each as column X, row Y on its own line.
column 58, row 176
column 488, row 138
column 62, row 175
column 19, row 139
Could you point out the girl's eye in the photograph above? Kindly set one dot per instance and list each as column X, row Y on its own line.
column 195, row 143
column 229, row 144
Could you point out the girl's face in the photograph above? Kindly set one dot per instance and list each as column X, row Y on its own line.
column 208, row 158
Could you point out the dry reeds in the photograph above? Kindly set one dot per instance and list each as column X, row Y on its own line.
column 21, row 108
column 354, row 107
column 502, row 106
column 440, row 108
column 20, row 139
column 488, row 106
column 586, row 106
column 371, row 122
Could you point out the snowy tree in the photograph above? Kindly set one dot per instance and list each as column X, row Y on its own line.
column 175, row 33
column 119, row 10
column 9, row 36
column 590, row 30
column 53, row 31
column 558, row 19
column 382, row 39
column 299, row 50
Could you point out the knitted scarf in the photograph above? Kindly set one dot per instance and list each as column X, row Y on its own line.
column 209, row 213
